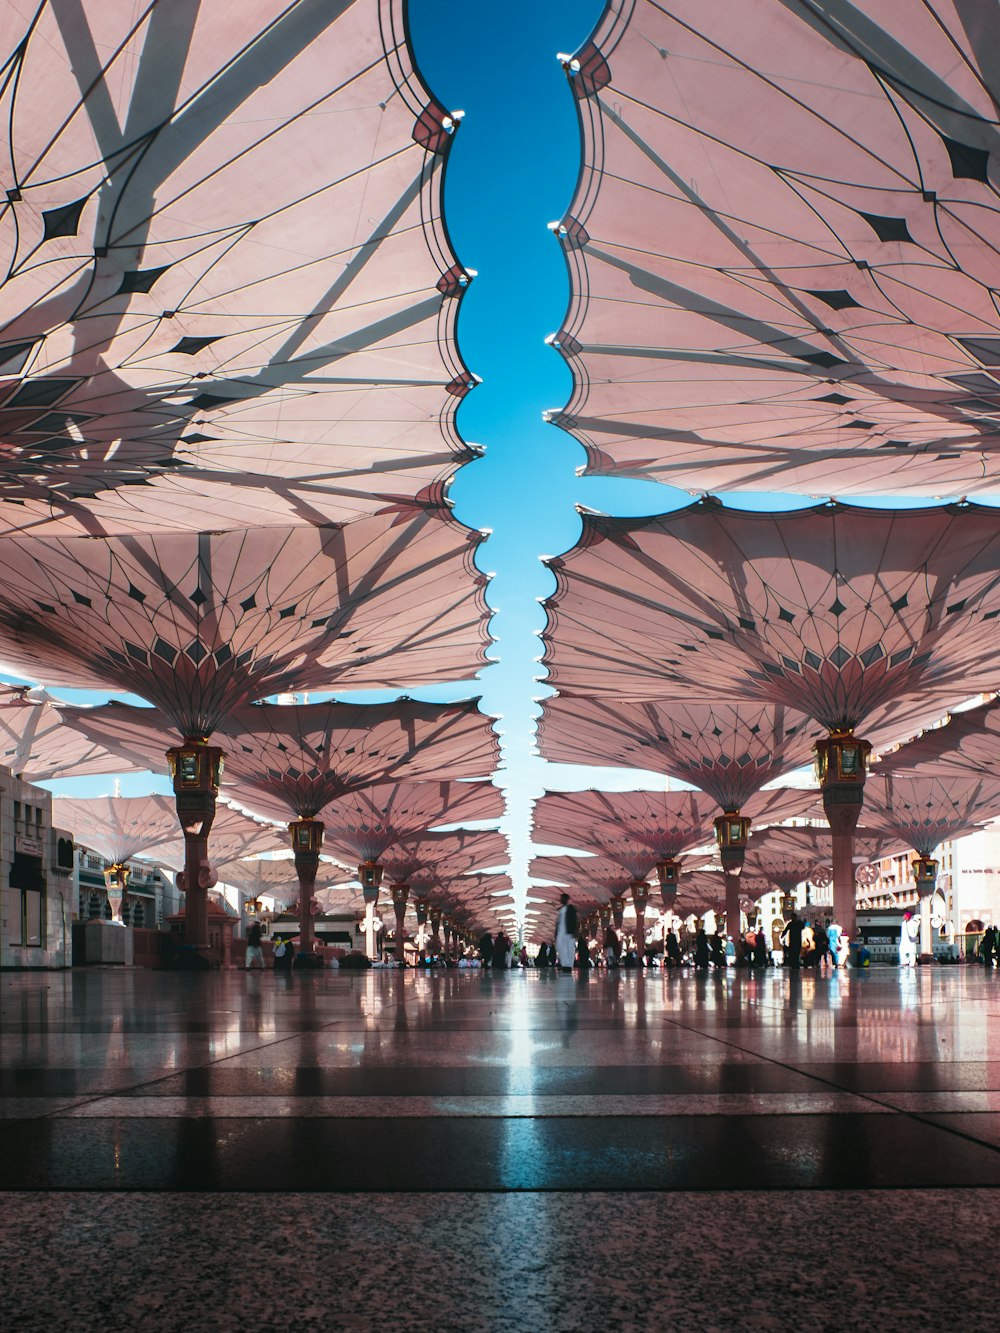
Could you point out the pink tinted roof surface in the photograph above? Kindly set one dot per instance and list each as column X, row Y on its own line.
column 729, row 751
column 851, row 615
column 436, row 859
column 201, row 623
column 787, row 856
column 782, row 247
column 275, row 878
column 370, row 821
column 291, row 760
column 228, row 289
column 639, row 828
column 117, row 827
column 234, row 835
column 591, row 872
column 925, row 809
column 37, row 745
column 968, row 742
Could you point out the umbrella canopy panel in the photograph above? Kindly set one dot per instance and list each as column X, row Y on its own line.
column 846, row 614
column 37, row 745
column 227, row 279
column 118, row 827
column 782, row 247
column 202, row 623
column 370, row 821
column 926, row 809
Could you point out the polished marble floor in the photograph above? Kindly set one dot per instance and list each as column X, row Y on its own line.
column 476, row 1150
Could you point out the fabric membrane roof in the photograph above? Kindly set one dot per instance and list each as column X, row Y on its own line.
column 639, row 828
column 201, row 623
column 37, row 745
column 782, row 247
column 228, row 290
column 234, row 835
column 967, row 742
column 729, row 751
column 117, row 827
column 852, row 615
column 291, row 760
column 432, row 861
column 272, row 877
column 929, row 808
column 788, row 856
column 371, row 820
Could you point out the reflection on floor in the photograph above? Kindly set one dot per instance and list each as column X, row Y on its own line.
column 664, row 1150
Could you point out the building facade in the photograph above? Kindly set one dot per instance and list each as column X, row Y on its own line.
column 37, row 874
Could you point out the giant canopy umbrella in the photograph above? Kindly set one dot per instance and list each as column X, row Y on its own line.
column 203, row 623
column 431, row 864
column 366, row 823
column 782, row 247
column 234, row 834
column 254, row 877
column 966, row 742
column 229, row 293
column 882, row 617
column 295, row 759
column 786, row 857
column 37, row 745
column 642, row 830
column 924, row 808
column 728, row 750
column 597, row 882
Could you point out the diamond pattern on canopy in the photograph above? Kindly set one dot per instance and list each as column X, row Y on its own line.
column 227, row 279
column 782, row 247
column 638, row 828
column 848, row 614
column 925, row 809
column 433, row 861
column 370, row 821
column 202, row 623
column 294, row 759
column 729, row 751
column 254, row 878
column 37, row 745
column 234, row 835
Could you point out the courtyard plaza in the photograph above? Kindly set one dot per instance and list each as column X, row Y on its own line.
column 477, row 1149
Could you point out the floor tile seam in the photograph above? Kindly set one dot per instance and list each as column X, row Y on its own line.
column 524, row 1191
column 152, row 1083
column 919, row 1117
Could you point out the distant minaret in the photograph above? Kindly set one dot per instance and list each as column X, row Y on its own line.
column 118, row 787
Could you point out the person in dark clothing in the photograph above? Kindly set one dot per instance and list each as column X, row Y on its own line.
column 672, row 950
column 701, row 949
column 718, row 952
column 486, row 948
column 284, row 955
column 791, row 940
column 760, row 950
column 500, row 950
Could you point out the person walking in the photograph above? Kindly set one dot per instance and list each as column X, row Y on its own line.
column 909, row 934
column 486, row 948
column 255, row 953
column 566, row 931
column 612, row 947
column 500, row 951
column 833, row 938
column 791, row 940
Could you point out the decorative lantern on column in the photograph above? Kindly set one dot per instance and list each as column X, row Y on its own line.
column 925, row 873
column 421, row 909
column 195, row 768
column 668, row 873
column 618, row 910
column 370, row 875
column 841, row 766
column 116, row 880
column 307, row 837
column 605, row 916
column 731, row 833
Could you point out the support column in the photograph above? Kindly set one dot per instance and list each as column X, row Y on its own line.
column 925, row 874
column 640, row 901
column 842, row 763
column 370, row 875
column 400, row 897
column 435, row 931
column 618, row 911
column 307, row 843
column 732, row 831
column 195, row 768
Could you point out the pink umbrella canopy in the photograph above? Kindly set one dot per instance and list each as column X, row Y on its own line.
column 638, row 828
column 228, row 281
column 118, row 827
column 234, row 835
column 272, row 877
column 600, row 875
column 849, row 615
column 967, row 742
column 924, row 809
column 294, row 759
column 37, row 745
column 729, row 751
column 782, row 247
column 203, row 623
column 369, row 821
column 431, row 861
column 785, row 857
